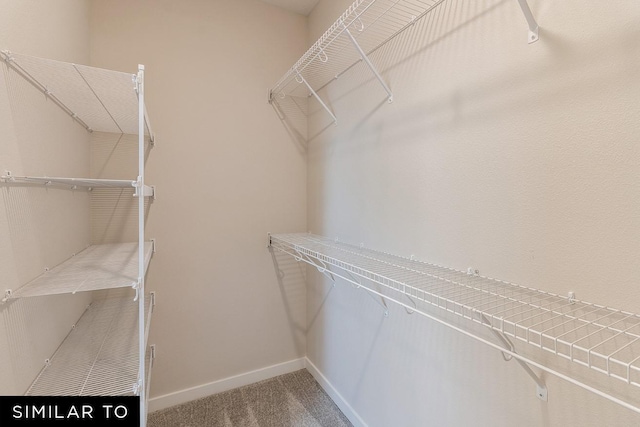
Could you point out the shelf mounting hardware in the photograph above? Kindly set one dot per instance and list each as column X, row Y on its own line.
column 534, row 28
column 300, row 79
column 366, row 60
column 7, row 296
column 541, row 388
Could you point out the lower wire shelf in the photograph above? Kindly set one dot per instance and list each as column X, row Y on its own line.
column 601, row 338
column 99, row 357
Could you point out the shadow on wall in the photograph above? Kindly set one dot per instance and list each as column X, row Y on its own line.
column 291, row 276
column 388, row 44
column 405, row 62
column 114, row 211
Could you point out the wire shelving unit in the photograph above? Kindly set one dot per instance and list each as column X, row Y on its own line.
column 601, row 338
column 362, row 29
column 106, row 353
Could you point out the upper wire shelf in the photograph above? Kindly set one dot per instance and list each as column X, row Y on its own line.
column 362, row 29
column 601, row 338
column 98, row 99
column 100, row 355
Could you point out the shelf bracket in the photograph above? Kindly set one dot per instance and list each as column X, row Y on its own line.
column 323, row 269
column 534, row 28
column 541, row 388
column 410, row 311
column 382, row 303
column 7, row 296
column 137, row 387
column 301, row 79
column 136, row 286
column 357, row 284
column 365, row 58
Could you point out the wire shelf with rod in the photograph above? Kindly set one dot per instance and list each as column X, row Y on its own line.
column 362, row 29
column 601, row 338
column 100, row 355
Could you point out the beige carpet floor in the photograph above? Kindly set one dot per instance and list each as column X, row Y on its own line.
column 294, row 399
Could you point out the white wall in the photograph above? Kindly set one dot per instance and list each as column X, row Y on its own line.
column 226, row 174
column 519, row 160
column 39, row 227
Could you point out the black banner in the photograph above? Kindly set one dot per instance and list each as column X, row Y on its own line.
column 27, row 411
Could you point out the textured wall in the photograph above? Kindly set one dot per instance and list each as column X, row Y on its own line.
column 519, row 160
column 39, row 227
column 226, row 174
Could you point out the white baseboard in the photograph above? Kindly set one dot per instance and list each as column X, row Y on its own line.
column 340, row 401
column 204, row 390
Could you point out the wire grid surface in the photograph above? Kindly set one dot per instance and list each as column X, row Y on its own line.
column 599, row 337
column 103, row 99
column 97, row 267
column 99, row 357
column 371, row 22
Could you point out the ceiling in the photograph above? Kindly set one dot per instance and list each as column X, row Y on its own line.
column 303, row 7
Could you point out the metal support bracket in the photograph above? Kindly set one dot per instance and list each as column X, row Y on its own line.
column 541, row 388
column 152, row 295
column 136, row 388
column 357, row 284
column 534, row 28
column 7, row 295
column 365, row 58
column 323, row 269
column 300, row 79
column 382, row 303
column 136, row 286
column 410, row 311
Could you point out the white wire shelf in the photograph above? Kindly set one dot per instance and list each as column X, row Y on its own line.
column 604, row 339
column 97, row 267
column 99, row 357
column 148, row 191
column 363, row 28
column 98, row 99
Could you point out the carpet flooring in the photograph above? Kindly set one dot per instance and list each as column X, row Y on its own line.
column 294, row 399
